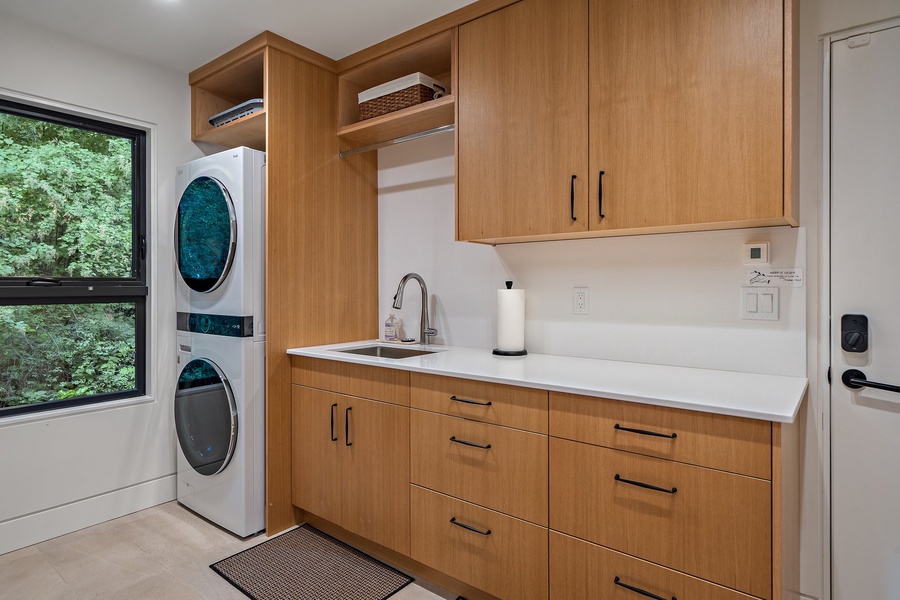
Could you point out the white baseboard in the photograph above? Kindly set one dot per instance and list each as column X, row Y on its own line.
column 41, row 526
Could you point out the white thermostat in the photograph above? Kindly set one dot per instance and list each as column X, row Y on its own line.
column 756, row 252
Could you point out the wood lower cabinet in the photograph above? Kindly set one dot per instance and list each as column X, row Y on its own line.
column 502, row 555
column 351, row 464
column 498, row 467
column 580, row 570
column 703, row 522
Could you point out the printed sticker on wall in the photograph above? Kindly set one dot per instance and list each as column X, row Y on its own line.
column 774, row 276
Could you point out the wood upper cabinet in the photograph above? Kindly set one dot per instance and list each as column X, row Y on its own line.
column 685, row 106
column 351, row 464
column 522, row 121
column 687, row 112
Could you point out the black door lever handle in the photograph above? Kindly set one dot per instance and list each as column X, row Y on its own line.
column 856, row 379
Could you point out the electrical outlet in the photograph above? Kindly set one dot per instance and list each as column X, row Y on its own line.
column 581, row 301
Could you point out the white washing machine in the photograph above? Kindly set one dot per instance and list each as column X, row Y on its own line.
column 220, row 235
column 220, row 396
column 220, row 424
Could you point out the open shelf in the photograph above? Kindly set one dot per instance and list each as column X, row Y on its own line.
column 247, row 131
column 414, row 119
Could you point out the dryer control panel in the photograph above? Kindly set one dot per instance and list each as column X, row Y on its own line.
column 226, row 325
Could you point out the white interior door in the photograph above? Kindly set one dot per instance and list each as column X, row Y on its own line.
column 865, row 280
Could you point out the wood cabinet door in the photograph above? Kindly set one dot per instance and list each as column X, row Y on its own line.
column 687, row 112
column 522, row 121
column 317, row 452
column 376, row 472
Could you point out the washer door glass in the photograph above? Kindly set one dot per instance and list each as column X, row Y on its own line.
column 205, row 417
column 205, row 234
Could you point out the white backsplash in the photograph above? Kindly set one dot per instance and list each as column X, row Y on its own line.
column 670, row 299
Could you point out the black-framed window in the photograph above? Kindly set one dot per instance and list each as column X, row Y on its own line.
column 73, row 257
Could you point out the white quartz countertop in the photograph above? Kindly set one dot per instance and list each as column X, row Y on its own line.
column 757, row 396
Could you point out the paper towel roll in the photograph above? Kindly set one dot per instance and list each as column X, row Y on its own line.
column 510, row 320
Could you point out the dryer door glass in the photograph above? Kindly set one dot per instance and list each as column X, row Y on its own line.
column 205, row 234
column 205, row 417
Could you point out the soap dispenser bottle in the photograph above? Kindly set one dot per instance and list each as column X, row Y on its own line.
column 390, row 329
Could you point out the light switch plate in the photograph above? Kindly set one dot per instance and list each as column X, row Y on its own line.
column 759, row 303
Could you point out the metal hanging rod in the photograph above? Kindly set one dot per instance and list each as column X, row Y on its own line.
column 399, row 140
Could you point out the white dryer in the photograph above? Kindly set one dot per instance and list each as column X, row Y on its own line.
column 220, row 235
column 220, row 424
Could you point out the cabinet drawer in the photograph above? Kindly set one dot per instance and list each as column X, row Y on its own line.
column 522, row 408
column 583, row 571
column 510, row 476
column 377, row 383
column 715, row 525
column 509, row 562
column 716, row 441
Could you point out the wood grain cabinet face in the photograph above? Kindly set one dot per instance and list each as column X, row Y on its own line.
column 710, row 524
column 710, row 440
column 512, row 406
column 580, row 570
column 351, row 464
column 522, row 121
column 687, row 111
column 509, row 562
column 497, row 467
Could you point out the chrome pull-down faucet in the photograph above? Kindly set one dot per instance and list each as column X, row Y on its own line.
column 425, row 329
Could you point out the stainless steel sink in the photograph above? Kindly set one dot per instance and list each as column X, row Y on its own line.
column 387, row 351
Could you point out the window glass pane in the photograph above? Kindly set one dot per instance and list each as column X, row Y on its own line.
column 65, row 201
column 62, row 351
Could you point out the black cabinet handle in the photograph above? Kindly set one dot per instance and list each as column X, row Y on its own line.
column 645, row 432
column 645, row 485
column 347, row 441
column 638, row 590
column 469, row 527
column 465, row 443
column 44, row 282
column 600, row 195
column 455, row 399
column 333, row 437
column 572, row 196
column 856, row 379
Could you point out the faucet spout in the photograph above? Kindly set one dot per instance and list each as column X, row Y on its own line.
column 425, row 329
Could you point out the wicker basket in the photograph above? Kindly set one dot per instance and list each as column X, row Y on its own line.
column 388, row 103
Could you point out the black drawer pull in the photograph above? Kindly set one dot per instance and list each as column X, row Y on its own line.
column 465, row 443
column 638, row 590
column 455, row 399
column 645, row 432
column 469, row 527
column 572, row 196
column 347, row 441
column 333, row 406
column 645, row 485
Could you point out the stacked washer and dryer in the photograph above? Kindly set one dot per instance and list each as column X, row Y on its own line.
column 220, row 396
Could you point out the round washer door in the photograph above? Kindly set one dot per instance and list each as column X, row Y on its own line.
column 205, row 416
column 205, row 234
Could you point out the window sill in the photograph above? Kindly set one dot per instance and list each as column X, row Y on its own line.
column 60, row 413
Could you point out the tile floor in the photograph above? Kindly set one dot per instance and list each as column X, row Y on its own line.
column 162, row 553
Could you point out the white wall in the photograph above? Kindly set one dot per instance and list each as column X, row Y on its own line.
column 670, row 299
column 65, row 470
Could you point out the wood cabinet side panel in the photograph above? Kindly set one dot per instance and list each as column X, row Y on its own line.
column 721, row 442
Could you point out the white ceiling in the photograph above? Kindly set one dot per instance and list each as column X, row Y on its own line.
column 185, row 34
